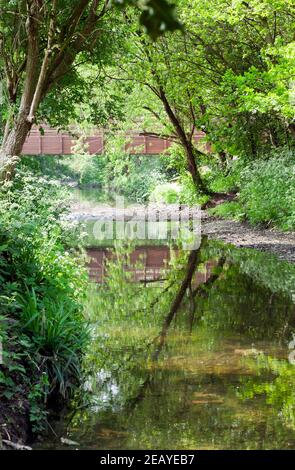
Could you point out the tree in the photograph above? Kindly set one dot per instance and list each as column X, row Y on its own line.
column 39, row 45
column 229, row 73
column 157, row 67
column 245, row 54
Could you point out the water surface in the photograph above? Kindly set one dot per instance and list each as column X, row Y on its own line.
column 196, row 357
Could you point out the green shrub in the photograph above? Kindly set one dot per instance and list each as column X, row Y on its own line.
column 42, row 286
column 181, row 191
column 229, row 210
column 168, row 193
column 223, row 180
column 268, row 191
column 188, row 193
column 58, row 335
column 91, row 169
column 85, row 169
column 133, row 176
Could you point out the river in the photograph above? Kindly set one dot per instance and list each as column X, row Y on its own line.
column 190, row 350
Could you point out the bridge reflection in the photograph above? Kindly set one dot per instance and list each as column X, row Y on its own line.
column 147, row 263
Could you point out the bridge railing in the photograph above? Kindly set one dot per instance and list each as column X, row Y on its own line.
column 52, row 142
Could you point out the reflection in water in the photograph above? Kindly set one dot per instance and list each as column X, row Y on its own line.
column 147, row 263
column 195, row 360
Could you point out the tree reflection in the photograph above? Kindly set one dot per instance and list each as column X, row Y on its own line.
column 173, row 353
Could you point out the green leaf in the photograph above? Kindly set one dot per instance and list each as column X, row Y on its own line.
column 159, row 16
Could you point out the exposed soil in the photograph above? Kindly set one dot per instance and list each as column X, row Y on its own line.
column 243, row 235
column 14, row 422
column 218, row 199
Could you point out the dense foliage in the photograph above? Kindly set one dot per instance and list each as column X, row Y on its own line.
column 267, row 191
column 41, row 291
column 229, row 73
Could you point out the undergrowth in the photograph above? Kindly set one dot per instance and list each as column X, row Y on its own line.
column 42, row 286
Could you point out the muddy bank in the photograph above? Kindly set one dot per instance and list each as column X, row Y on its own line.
column 15, row 426
column 14, row 422
column 282, row 244
column 239, row 234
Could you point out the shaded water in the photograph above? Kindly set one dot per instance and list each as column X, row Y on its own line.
column 212, row 373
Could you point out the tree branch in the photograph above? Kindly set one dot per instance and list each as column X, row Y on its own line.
column 161, row 136
column 44, row 67
column 66, row 56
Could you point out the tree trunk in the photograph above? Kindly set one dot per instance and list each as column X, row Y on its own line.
column 12, row 147
column 192, row 264
column 15, row 138
column 193, row 168
column 291, row 129
column 186, row 143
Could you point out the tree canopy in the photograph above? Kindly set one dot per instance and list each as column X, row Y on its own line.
column 41, row 44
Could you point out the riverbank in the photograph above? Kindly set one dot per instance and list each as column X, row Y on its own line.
column 43, row 333
column 240, row 234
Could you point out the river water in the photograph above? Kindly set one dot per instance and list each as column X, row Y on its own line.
column 190, row 350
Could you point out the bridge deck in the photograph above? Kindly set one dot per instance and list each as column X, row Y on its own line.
column 60, row 143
